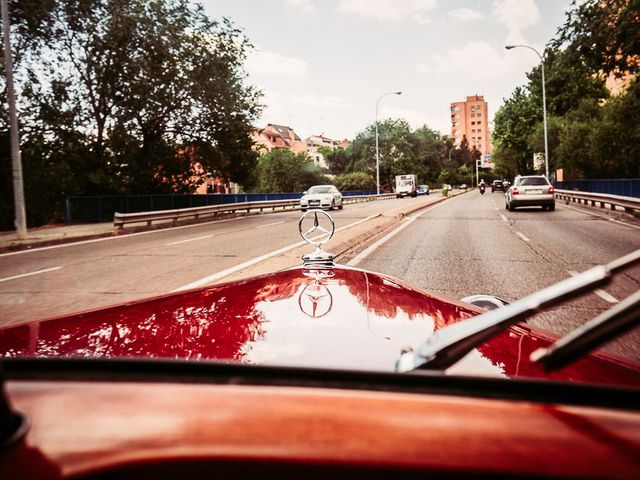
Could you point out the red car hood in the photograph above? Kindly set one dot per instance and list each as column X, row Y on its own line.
column 337, row 318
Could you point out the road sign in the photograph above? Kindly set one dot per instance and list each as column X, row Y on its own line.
column 538, row 161
column 487, row 161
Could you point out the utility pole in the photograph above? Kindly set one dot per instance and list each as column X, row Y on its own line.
column 16, row 161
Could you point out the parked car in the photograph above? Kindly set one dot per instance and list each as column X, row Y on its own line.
column 422, row 190
column 528, row 191
column 496, row 185
column 321, row 196
column 320, row 371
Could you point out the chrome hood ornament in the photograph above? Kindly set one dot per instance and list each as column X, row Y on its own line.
column 316, row 227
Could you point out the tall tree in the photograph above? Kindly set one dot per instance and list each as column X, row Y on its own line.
column 515, row 120
column 131, row 96
column 605, row 34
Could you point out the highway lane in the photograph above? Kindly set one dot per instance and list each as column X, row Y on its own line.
column 472, row 245
column 64, row 279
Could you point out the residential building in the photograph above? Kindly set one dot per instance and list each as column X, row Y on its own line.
column 278, row 136
column 316, row 142
column 471, row 119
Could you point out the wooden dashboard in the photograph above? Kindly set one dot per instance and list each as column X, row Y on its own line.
column 167, row 430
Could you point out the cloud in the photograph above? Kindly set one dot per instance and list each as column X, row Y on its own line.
column 477, row 60
column 463, row 15
column 302, row 5
column 306, row 112
column 414, row 118
column 389, row 10
column 318, row 102
column 516, row 15
column 268, row 63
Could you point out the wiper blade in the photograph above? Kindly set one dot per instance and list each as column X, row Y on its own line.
column 606, row 326
column 448, row 345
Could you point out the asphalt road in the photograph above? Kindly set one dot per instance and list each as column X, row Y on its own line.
column 471, row 244
column 69, row 278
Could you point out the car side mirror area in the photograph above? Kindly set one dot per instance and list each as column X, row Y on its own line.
column 488, row 302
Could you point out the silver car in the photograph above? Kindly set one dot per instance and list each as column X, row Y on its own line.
column 530, row 190
column 321, row 196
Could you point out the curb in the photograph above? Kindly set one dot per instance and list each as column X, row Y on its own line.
column 16, row 247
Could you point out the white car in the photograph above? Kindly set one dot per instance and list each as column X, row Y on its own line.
column 321, row 196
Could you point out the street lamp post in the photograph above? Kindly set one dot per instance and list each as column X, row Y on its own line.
column 14, row 140
column 377, row 146
column 544, row 105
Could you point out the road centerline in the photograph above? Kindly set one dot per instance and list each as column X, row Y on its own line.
column 607, row 297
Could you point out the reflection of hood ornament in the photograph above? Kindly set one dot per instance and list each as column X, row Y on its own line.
column 315, row 299
column 317, row 227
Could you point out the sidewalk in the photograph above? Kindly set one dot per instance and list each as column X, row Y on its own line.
column 54, row 235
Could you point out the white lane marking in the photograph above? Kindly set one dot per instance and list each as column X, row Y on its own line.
column 128, row 235
column 270, row 224
column 522, row 236
column 188, row 240
column 204, row 237
column 355, row 261
column 601, row 293
column 6, row 279
column 229, row 271
column 504, row 219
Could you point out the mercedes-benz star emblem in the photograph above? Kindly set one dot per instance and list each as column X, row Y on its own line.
column 320, row 231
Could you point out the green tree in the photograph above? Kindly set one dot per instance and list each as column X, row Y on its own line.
column 515, row 121
column 280, row 170
column 127, row 97
column 354, row 181
column 338, row 160
column 604, row 33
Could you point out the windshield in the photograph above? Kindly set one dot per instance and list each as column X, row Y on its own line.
column 166, row 149
column 532, row 181
column 314, row 190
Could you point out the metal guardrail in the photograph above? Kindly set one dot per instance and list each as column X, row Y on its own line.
column 629, row 204
column 120, row 220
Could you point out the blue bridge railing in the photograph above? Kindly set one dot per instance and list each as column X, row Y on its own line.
column 624, row 187
column 100, row 208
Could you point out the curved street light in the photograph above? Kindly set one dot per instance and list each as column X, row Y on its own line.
column 544, row 105
column 377, row 147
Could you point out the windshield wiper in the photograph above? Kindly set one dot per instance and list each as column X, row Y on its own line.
column 451, row 343
column 606, row 326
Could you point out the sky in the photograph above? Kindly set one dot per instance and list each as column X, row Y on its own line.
column 323, row 64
